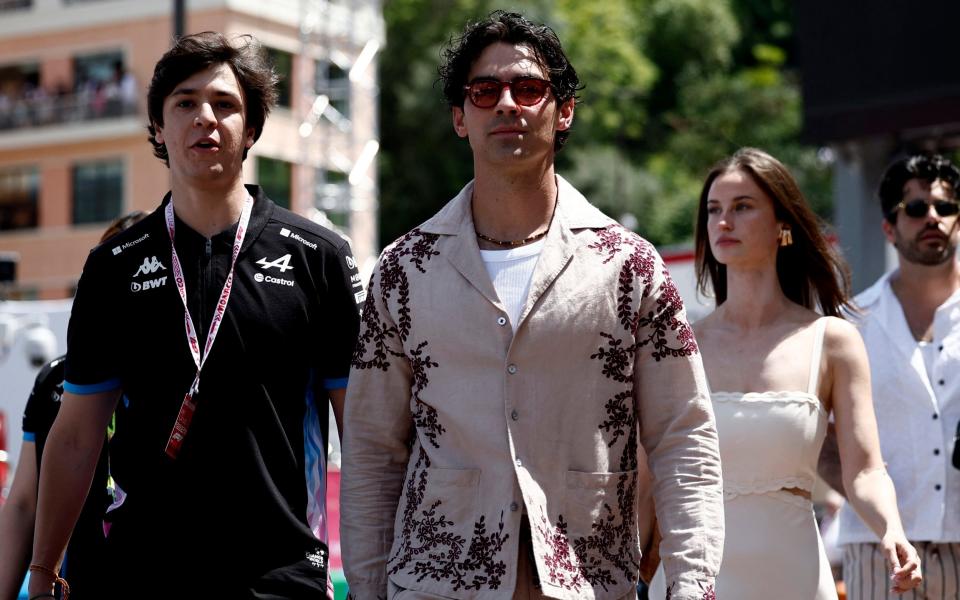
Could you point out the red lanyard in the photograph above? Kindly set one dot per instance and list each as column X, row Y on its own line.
column 187, row 408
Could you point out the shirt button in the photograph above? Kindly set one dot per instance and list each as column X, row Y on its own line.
column 940, row 348
column 936, row 451
column 518, row 462
column 512, row 369
column 935, row 416
column 937, row 487
column 941, row 382
column 514, row 415
column 501, row 321
column 514, row 506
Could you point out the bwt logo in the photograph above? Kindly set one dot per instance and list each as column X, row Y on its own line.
column 149, row 266
column 149, row 284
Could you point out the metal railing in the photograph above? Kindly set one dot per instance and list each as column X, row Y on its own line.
column 41, row 109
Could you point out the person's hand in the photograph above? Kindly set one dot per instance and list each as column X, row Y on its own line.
column 904, row 563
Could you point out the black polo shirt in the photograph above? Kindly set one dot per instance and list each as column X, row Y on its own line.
column 241, row 507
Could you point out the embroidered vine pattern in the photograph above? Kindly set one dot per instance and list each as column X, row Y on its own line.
column 708, row 593
column 430, row 546
column 439, row 554
column 425, row 416
column 376, row 332
column 608, row 552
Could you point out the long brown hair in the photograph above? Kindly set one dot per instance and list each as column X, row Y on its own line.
column 810, row 271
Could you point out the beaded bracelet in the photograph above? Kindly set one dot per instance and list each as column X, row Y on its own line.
column 65, row 587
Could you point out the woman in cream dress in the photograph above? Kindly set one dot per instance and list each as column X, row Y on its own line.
column 777, row 369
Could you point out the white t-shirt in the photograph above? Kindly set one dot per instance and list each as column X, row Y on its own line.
column 511, row 272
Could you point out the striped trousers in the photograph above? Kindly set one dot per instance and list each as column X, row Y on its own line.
column 867, row 576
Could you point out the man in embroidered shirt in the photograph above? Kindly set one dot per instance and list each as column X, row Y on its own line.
column 511, row 348
column 910, row 323
column 225, row 323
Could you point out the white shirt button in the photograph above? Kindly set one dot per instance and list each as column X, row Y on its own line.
column 512, row 369
column 501, row 321
column 518, row 462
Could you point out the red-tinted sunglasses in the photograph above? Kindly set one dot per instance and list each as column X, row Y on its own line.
column 526, row 91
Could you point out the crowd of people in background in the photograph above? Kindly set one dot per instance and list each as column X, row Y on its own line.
column 27, row 103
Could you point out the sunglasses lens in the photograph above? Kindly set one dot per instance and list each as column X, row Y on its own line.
column 946, row 209
column 484, row 94
column 529, row 91
column 915, row 208
column 918, row 208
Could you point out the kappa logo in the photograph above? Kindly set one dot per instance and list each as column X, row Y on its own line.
column 282, row 263
column 149, row 284
column 317, row 558
column 150, row 265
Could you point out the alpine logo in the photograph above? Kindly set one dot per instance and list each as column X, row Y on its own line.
column 282, row 263
column 149, row 284
column 150, row 265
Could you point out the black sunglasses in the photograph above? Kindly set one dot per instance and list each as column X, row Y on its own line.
column 918, row 207
column 526, row 91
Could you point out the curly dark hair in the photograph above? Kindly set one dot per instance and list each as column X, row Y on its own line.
column 928, row 167
column 511, row 28
column 810, row 271
column 191, row 54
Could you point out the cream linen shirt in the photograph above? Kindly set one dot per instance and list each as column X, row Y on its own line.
column 917, row 415
column 454, row 423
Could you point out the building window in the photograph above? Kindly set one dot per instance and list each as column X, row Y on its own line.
column 283, row 64
column 275, row 177
column 19, row 190
column 97, row 191
column 332, row 196
column 332, row 81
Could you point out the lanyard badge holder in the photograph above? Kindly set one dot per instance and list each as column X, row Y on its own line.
column 187, row 408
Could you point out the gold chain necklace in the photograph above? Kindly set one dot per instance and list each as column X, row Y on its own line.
column 513, row 243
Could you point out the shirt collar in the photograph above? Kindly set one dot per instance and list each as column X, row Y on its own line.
column 573, row 209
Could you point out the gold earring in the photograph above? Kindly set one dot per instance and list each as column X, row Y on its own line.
column 786, row 236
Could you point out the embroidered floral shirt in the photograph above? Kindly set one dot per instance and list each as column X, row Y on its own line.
column 455, row 425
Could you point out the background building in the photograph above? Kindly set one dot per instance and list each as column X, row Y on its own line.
column 73, row 149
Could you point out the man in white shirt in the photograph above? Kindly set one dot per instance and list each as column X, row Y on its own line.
column 911, row 327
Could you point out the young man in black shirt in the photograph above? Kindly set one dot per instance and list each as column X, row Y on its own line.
column 225, row 323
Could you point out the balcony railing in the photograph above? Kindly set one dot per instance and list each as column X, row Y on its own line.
column 39, row 109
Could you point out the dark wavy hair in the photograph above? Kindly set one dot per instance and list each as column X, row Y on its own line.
column 511, row 28
column 194, row 53
column 928, row 167
column 810, row 271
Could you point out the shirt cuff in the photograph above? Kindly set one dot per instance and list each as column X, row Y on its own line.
column 91, row 388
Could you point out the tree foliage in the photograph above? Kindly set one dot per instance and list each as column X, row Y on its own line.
column 672, row 86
